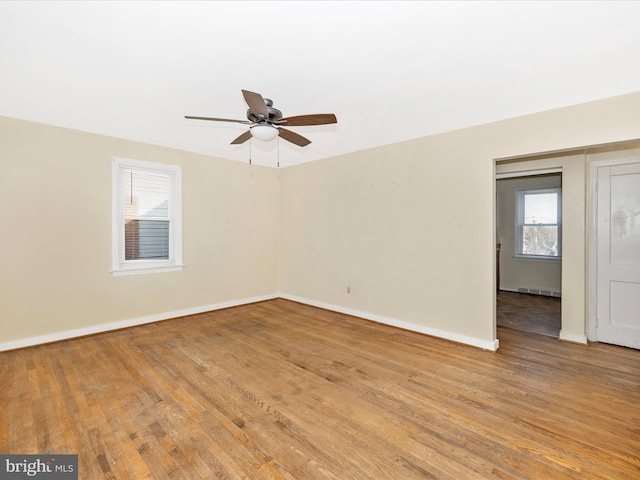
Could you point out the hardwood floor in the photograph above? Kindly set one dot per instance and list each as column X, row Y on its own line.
column 279, row 390
column 532, row 313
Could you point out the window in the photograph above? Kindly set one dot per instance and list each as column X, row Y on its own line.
column 538, row 223
column 147, row 230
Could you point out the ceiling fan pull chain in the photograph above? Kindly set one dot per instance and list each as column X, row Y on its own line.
column 250, row 142
column 278, row 152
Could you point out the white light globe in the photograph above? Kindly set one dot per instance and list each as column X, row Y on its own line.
column 264, row 132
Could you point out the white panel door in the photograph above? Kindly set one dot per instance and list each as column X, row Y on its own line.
column 618, row 255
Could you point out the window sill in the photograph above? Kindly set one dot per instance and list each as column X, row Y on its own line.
column 140, row 270
column 537, row 258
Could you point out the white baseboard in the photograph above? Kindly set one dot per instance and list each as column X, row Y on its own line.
column 570, row 337
column 454, row 337
column 534, row 291
column 105, row 327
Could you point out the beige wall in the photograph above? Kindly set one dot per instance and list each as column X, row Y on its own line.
column 517, row 272
column 410, row 227
column 55, row 196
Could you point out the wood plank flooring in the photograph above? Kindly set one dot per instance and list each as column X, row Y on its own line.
column 279, row 390
column 532, row 313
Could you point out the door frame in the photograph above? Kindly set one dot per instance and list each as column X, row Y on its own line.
column 592, row 239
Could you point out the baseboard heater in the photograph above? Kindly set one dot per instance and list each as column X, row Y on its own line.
column 537, row 291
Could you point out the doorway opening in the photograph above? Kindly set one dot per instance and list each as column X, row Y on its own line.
column 529, row 251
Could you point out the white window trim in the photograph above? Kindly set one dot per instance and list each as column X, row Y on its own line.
column 519, row 223
column 120, row 266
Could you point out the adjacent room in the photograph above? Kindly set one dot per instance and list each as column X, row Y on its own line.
column 529, row 252
column 320, row 240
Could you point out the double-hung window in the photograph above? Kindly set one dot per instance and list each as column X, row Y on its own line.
column 539, row 223
column 147, row 227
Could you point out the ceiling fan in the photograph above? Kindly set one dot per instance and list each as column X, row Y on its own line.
column 267, row 122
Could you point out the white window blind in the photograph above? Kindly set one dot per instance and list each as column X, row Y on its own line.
column 146, row 215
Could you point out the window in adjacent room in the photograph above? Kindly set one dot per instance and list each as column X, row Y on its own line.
column 539, row 223
column 147, row 209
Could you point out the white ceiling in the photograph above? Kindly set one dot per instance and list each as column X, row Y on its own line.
column 390, row 71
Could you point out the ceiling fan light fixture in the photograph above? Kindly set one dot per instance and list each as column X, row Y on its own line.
column 264, row 132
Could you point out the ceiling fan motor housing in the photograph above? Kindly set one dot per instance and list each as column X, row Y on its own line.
column 274, row 113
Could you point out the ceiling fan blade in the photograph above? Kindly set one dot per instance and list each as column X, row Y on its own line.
column 256, row 103
column 217, row 119
column 293, row 137
column 305, row 120
column 242, row 138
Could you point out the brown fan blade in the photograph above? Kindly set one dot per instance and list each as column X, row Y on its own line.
column 218, row 119
column 256, row 103
column 305, row 120
column 242, row 138
column 293, row 137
